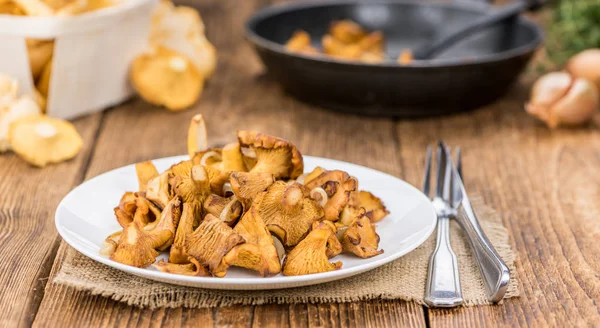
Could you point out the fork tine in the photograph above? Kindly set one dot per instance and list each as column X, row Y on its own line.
column 426, row 180
column 447, row 175
column 459, row 161
column 441, row 169
column 455, row 186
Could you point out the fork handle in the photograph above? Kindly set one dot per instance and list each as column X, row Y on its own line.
column 443, row 285
column 494, row 271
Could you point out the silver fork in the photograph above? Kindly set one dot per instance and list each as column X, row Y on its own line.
column 494, row 271
column 443, row 283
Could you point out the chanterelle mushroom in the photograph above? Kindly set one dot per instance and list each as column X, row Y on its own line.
column 145, row 171
column 188, row 269
column 219, row 163
column 218, row 178
column 110, row 243
column 334, row 247
column 374, row 207
column 137, row 247
column 126, row 209
column 180, row 28
column 41, row 140
column 259, row 252
column 34, row 8
column 246, row 185
column 346, row 31
column 227, row 159
column 43, row 82
column 166, row 78
column 287, row 211
column 11, row 109
column 8, row 90
column 184, row 229
column 167, row 222
column 306, row 177
column 197, row 136
column 134, row 206
column 39, row 53
column 301, row 42
column 351, row 209
column 361, row 238
column 209, row 243
column 273, row 155
column 227, row 209
column 338, row 185
column 375, row 210
column 158, row 190
column 191, row 183
column 311, row 254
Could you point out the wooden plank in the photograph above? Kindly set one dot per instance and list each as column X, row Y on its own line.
column 79, row 309
column 164, row 139
column 238, row 97
column 326, row 315
column 271, row 315
column 233, row 316
column 545, row 184
column 298, row 315
column 374, row 313
column 28, row 239
column 381, row 314
column 235, row 99
column 392, row 314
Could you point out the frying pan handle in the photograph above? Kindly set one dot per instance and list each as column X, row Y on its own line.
column 533, row 6
column 511, row 10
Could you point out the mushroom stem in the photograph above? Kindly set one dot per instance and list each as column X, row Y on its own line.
column 319, row 195
column 197, row 138
column 279, row 247
column 340, row 232
column 178, row 64
column 248, row 152
column 208, row 155
column 45, row 130
column 292, row 196
column 227, row 209
column 301, row 178
column 108, row 247
column 199, row 173
column 227, row 190
column 110, row 244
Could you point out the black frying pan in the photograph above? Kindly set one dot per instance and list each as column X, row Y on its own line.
column 472, row 73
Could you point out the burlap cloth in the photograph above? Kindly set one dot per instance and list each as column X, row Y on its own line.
column 402, row 279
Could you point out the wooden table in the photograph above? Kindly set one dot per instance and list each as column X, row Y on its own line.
column 545, row 183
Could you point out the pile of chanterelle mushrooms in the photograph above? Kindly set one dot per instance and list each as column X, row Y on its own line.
column 248, row 205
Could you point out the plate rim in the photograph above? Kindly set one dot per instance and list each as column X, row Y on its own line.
column 276, row 282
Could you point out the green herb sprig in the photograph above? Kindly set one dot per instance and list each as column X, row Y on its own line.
column 575, row 26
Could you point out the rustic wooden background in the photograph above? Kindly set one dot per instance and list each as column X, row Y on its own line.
column 545, row 183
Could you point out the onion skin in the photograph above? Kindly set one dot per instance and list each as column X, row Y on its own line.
column 558, row 99
column 578, row 106
column 586, row 65
column 549, row 88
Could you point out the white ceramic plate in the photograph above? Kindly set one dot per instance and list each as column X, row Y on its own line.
column 85, row 217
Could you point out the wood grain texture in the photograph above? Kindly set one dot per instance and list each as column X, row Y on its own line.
column 545, row 183
column 28, row 239
column 238, row 97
